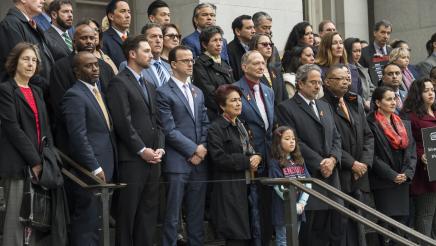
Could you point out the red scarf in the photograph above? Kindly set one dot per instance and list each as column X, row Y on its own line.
column 398, row 140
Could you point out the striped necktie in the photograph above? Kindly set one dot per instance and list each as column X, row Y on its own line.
column 68, row 41
column 160, row 73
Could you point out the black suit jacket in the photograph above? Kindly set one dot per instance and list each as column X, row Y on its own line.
column 62, row 78
column 236, row 51
column 207, row 76
column 135, row 121
column 56, row 44
column 15, row 28
column 92, row 142
column 366, row 61
column 384, row 168
column 357, row 140
column 19, row 140
column 278, row 84
column 112, row 46
column 318, row 138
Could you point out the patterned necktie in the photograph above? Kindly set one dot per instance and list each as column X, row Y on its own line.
column 160, row 73
column 102, row 106
column 123, row 37
column 32, row 23
column 68, row 41
column 398, row 100
column 188, row 96
column 260, row 105
column 344, row 108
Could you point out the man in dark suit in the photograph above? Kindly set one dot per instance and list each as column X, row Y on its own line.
column 159, row 72
column 392, row 77
column 258, row 113
column 17, row 27
column 243, row 28
column 376, row 55
column 58, row 39
column 140, row 144
column 204, row 16
column 118, row 15
column 92, row 145
column 357, row 144
column 184, row 119
column 43, row 20
column 62, row 78
column 320, row 144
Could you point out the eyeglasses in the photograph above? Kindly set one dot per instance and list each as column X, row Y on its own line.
column 266, row 44
column 187, row 61
column 173, row 36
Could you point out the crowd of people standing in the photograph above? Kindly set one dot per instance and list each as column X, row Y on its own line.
column 157, row 109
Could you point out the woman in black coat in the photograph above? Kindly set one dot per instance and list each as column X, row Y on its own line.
column 210, row 71
column 232, row 158
column 24, row 122
column 394, row 162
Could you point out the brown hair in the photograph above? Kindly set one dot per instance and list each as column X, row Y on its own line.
column 277, row 151
column 13, row 57
column 325, row 56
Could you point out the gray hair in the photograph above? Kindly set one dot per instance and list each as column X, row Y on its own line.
column 384, row 23
column 258, row 16
column 304, row 70
column 244, row 59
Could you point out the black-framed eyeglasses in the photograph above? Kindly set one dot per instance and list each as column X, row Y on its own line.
column 187, row 61
column 173, row 36
column 266, row 44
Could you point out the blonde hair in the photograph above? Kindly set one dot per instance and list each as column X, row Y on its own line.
column 398, row 53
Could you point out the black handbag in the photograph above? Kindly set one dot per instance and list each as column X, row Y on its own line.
column 36, row 207
column 51, row 176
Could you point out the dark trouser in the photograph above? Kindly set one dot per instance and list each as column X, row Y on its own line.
column 234, row 242
column 354, row 233
column 265, row 214
column 85, row 215
column 385, row 241
column 425, row 214
column 187, row 187
column 138, row 204
column 322, row 228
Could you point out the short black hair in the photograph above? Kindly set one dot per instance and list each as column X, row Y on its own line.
column 348, row 44
column 56, row 5
column 152, row 8
column 207, row 33
column 237, row 22
column 148, row 26
column 132, row 43
column 110, row 8
column 387, row 65
column 172, row 56
column 381, row 23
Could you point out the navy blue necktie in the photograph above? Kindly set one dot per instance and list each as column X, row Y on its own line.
column 144, row 89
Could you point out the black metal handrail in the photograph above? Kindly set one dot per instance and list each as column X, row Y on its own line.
column 292, row 232
column 99, row 185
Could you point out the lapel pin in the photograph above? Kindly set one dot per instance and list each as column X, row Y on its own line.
column 321, row 113
column 248, row 97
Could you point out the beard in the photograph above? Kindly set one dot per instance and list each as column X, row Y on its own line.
column 62, row 23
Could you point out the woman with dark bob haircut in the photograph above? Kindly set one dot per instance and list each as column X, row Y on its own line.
column 232, row 157
column 210, row 71
column 420, row 108
column 394, row 157
column 24, row 125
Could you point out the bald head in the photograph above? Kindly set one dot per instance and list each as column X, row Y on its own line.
column 86, row 68
column 84, row 38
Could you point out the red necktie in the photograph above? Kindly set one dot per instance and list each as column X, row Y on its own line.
column 32, row 23
column 123, row 37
